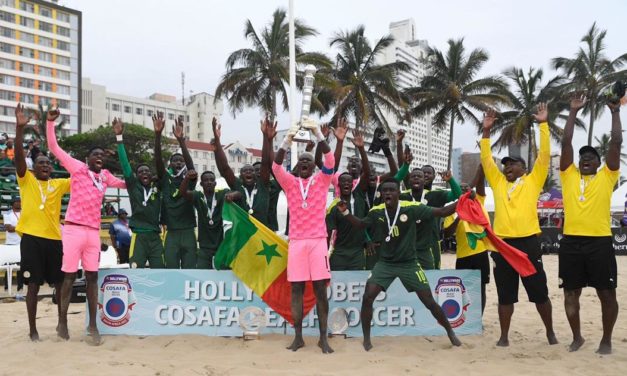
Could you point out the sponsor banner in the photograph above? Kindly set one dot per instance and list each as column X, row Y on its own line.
column 207, row 302
column 551, row 236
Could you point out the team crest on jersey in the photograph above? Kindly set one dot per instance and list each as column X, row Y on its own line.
column 451, row 295
column 116, row 300
column 403, row 217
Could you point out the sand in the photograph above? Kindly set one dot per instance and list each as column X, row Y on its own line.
column 529, row 352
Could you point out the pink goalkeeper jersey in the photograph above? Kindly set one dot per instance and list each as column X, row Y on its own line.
column 307, row 223
column 85, row 197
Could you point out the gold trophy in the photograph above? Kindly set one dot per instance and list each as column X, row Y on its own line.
column 304, row 135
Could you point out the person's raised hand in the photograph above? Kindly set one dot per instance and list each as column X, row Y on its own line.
column 178, row 129
column 542, row 113
column 408, row 156
column 21, row 120
column 358, row 139
column 326, row 130
column 192, row 175
column 400, row 135
column 118, row 126
column 158, row 122
column 577, row 102
column 310, row 146
column 446, row 175
column 53, row 114
column 340, row 129
column 489, row 117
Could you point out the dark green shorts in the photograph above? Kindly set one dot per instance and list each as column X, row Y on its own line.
column 180, row 249
column 353, row 259
column 426, row 258
column 146, row 246
column 410, row 273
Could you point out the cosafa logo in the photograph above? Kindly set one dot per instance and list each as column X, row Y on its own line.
column 451, row 295
column 116, row 300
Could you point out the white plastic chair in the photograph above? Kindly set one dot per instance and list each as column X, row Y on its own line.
column 9, row 259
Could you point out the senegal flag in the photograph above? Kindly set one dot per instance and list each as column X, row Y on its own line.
column 258, row 257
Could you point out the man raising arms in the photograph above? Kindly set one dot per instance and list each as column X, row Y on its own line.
column 39, row 226
column 516, row 222
column 307, row 251
column 81, row 232
column 586, row 256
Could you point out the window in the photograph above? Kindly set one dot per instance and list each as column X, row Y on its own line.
column 45, row 26
column 45, row 101
column 8, row 48
column 7, row 80
column 139, row 111
column 127, row 109
column 195, row 153
column 46, row 12
column 63, row 31
column 63, row 103
column 28, row 22
column 29, row 7
column 62, row 89
column 115, row 107
column 27, row 98
column 63, row 60
column 47, row 42
column 6, row 16
column 149, row 113
column 7, row 95
column 65, row 46
column 27, row 52
column 28, row 37
column 27, row 82
column 171, row 116
column 45, row 71
column 61, row 16
column 45, row 56
column 7, row 64
column 45, row 86
column 6, row 32
column 63, row 75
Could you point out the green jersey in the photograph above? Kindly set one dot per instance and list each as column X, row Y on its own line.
column 347, row 239
column 178, row 213
column 145, row 201
column 428, row 230
column 399, row 245
column 209, row 211
column 260, row 197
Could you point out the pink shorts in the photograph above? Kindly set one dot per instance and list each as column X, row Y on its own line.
column 80, row 243
column 308, row 260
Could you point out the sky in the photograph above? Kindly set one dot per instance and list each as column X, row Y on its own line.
column 141, row 47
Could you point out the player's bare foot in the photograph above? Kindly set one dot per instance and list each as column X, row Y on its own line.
column 454, row 340
column 503, row 342
column 297, row 344
column 63, row 332
column 605, row 348
column 93, row 338
column 324, row 345
column 34, row 336
column 576, row 344
column 367, row 344
column 552, row 338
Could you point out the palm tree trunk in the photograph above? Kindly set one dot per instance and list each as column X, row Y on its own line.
column 591, row 126
column 531, row 146
column 450, row 143
column 273, row 109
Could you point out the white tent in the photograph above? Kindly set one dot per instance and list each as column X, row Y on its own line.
column 618, row 199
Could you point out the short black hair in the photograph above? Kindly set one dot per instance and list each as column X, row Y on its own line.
column 207, row 173
column 91, row 150
column 345, row 173
column 391, row 180
column 256, row 163
column 141, row 165
column 174, row 155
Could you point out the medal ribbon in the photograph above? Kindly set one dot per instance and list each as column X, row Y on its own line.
column 387, row 218
column 304, row 192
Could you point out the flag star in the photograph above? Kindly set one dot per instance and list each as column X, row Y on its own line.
column 269, row 251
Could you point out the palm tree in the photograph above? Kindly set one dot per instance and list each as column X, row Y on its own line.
column 592, row 72
column 603, row 146
column 451, row 91
column 364, row 89
column 516, row 126
column 255, row 76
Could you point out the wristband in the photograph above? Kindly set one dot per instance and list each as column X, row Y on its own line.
column 118, row 137
column 615, row 111
column 286, row 143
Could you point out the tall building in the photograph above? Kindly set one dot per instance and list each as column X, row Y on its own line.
column 100, row 107
column 428, row 145
column 40, row 60
column 456, row 163
column 237, row 156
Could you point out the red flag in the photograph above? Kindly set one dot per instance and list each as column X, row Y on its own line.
column 470, row 211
